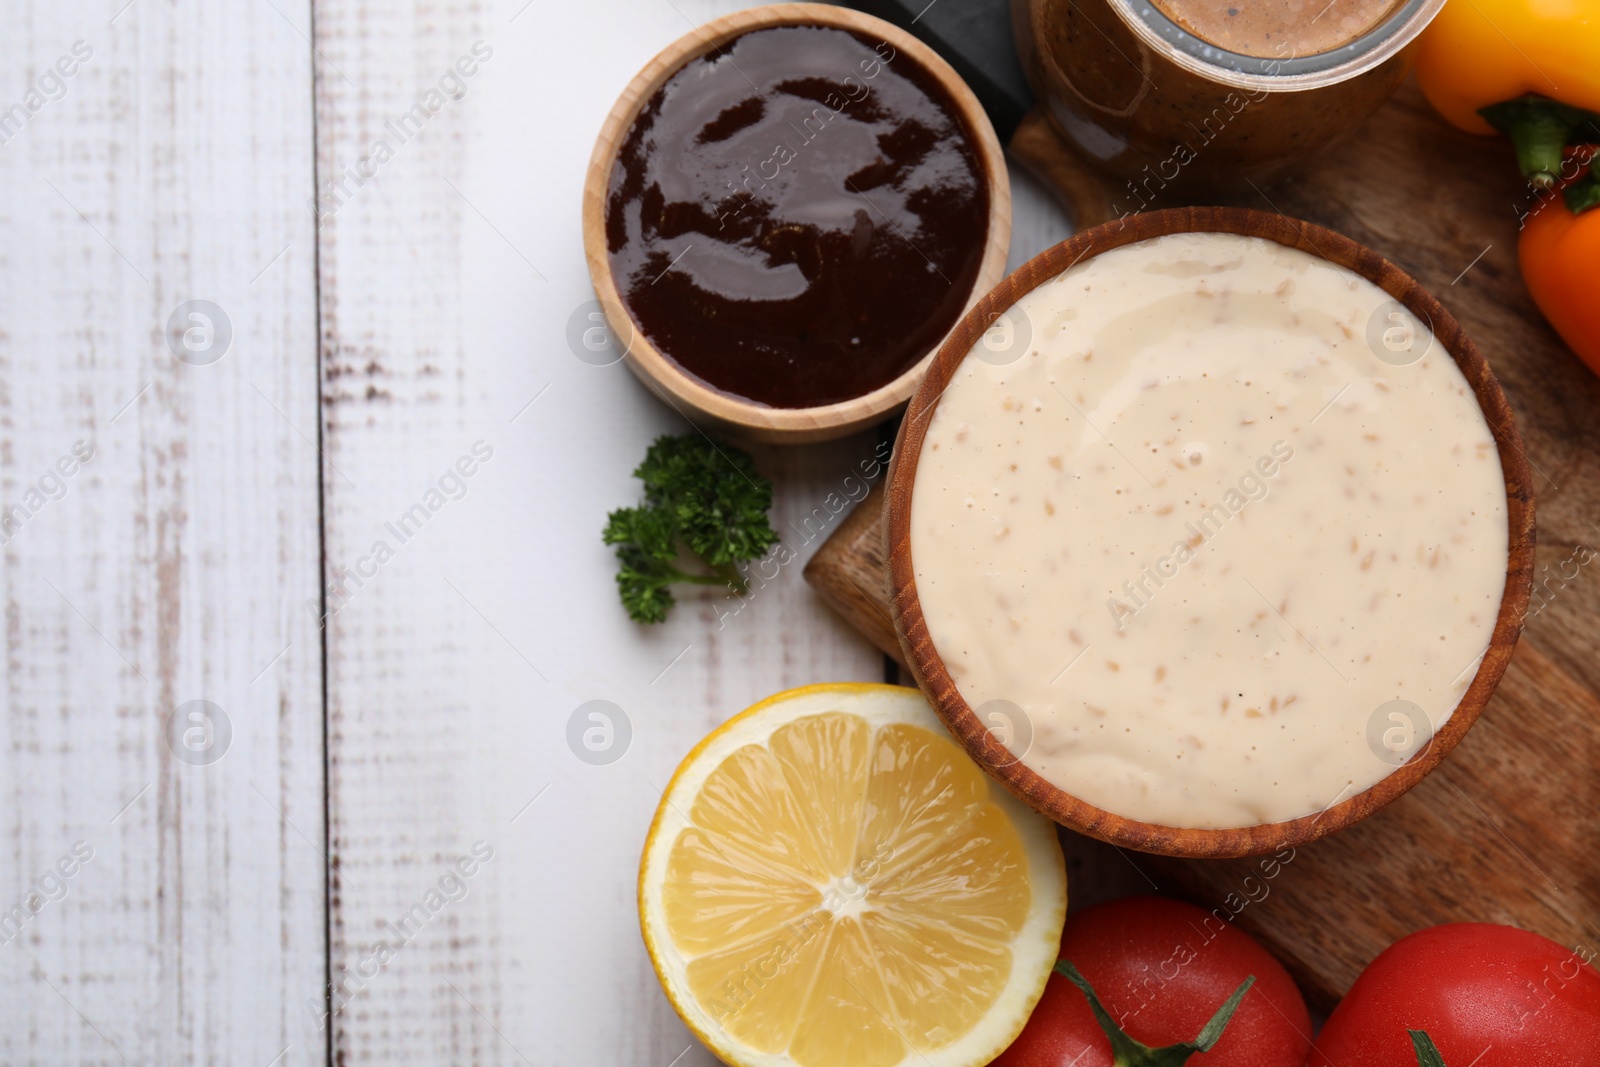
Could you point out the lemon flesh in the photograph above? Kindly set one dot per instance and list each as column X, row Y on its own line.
column 832, row 881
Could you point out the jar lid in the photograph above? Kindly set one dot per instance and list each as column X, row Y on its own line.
column 1286, row 73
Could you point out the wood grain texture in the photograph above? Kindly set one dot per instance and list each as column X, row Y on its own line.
column 721, row 411
column 850, row 573
column 1502, row 831
column 448, row 285
column 170, row 165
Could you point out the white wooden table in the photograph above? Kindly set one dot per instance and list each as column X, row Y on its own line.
column 180, row 882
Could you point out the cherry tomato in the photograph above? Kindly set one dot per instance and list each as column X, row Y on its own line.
column 1162, row 968
column 1488, row 996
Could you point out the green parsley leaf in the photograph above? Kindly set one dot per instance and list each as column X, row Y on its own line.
column 702, row 500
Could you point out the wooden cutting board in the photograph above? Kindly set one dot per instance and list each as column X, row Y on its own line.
column 1508, row 828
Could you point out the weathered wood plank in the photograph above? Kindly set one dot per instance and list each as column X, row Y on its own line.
column 448, row 284
column 166, row 559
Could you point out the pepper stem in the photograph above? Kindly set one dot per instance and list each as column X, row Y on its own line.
column 1130, row 1052
column 1540, row 130
column 1427, row 1052
column 1584, row 194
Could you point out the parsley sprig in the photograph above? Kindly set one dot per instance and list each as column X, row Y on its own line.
column 702, row 501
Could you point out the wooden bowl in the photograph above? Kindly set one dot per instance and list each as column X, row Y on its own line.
column 718, row 410
column 934, row 679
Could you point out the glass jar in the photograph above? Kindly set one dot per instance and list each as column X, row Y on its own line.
column 1173, row 116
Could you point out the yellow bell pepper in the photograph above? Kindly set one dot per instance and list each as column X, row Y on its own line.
column 1531, row 69
column 1483, row 52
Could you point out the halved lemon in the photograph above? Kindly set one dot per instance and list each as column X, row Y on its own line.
column 831, row 882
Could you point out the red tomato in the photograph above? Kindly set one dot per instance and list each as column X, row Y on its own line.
column 1162, row 968
column 1489, row 996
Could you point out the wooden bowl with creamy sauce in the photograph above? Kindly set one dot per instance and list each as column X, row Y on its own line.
column 639, row 304
column 1349, row 519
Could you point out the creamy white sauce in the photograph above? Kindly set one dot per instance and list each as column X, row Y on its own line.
column 1202, row 535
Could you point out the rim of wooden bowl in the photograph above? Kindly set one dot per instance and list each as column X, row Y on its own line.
column 1060, row 805
column 747, row 418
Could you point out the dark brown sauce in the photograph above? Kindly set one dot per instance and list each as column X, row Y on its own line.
column 798, row 217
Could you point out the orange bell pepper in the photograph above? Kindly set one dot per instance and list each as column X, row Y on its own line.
column 1531, row 69
column 1482, row 52
column 1559, row 253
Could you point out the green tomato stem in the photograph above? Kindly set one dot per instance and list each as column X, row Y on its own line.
column 1127, row 1051
column 1427, row 1052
